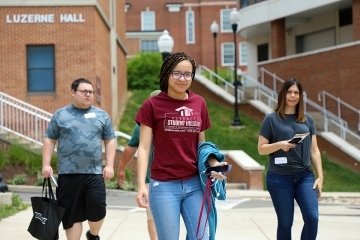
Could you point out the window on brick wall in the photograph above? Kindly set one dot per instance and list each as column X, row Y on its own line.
column 243, row 54
column 190, row 27
column 149, row 46
column 225, row 20
column 147, row 21
column 40, row 68
column 227, row 54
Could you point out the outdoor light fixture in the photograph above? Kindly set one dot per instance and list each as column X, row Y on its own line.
column 214, row 28
column 165, row 44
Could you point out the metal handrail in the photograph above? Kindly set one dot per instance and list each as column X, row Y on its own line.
column 23, row 119
column 228, row 86
column 122, row 135
column 340, row 103
column 328, row 116
column 271, row 94
column 27, row 121
column 264, row 91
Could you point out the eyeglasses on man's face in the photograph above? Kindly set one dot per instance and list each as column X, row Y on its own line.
column 177, row 75
column 86, row 92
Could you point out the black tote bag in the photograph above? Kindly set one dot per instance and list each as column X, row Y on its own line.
column 47, row 215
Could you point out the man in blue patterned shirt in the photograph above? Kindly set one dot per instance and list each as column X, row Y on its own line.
column 79, row 130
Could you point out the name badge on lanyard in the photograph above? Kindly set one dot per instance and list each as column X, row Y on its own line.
column 281, row 160
column 90, row 115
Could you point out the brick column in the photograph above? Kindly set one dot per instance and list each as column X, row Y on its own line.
column 356, row 19
column 278, row 43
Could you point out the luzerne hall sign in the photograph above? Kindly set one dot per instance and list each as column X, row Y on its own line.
column 45, row 18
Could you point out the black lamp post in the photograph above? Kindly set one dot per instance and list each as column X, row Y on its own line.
column 234, row 18
column 214, row 28
column 165, row 44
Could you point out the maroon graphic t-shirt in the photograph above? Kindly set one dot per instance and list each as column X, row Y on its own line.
column 176, row 125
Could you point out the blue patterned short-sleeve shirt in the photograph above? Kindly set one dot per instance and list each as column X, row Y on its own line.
column 79, row 134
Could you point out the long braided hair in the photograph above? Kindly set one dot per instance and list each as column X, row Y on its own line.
column 168, row 66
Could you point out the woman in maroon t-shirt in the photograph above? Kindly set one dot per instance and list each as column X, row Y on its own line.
column 175, row 122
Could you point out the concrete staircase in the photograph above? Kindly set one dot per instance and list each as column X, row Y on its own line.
column 10, row 138
column 332, row 128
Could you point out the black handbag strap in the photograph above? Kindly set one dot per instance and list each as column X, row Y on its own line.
column 47, row 188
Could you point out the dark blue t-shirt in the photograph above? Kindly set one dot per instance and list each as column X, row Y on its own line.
column 275, row 129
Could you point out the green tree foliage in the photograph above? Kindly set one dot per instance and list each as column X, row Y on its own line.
column 143, row 71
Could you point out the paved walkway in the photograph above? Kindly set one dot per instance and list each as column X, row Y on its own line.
column 238, row 219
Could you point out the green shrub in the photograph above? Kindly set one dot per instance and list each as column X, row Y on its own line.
column 128, row 186
column 225, row 73
column 16, row 206
column 39, row 179
column 18, row 155
column 111, row 184
column 143, row 71
column 19, row 179
column 3, row 159
column 129, row 183
column 133, row 104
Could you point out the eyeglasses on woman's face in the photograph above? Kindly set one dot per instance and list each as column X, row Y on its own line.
column 177, row 75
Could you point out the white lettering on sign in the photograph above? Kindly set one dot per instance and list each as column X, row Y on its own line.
column 30, row 18
column 44, row 18
column 71, row 18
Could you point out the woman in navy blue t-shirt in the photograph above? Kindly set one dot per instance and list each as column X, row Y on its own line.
column 290, row 175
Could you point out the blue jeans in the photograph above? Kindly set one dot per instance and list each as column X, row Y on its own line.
column 169, row 199
column 283, row 190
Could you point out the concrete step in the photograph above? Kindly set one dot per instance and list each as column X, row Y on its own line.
column 5, row 198
column 319, row 123
column 241, row 186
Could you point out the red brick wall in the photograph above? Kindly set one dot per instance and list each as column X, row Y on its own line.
column 278, row 46
column 121, row 52
column 254, row 179
column 104, row 4
column 103, row 63
column 356, row 19
column 74, row 50
column 133, row 46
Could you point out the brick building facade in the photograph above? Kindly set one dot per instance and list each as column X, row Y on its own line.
column 281, row 36
column 91, row 38
column 188, row 23
column 317, row 43
column 45, row 45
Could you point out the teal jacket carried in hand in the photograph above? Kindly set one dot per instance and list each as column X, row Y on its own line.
column 218, row 188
